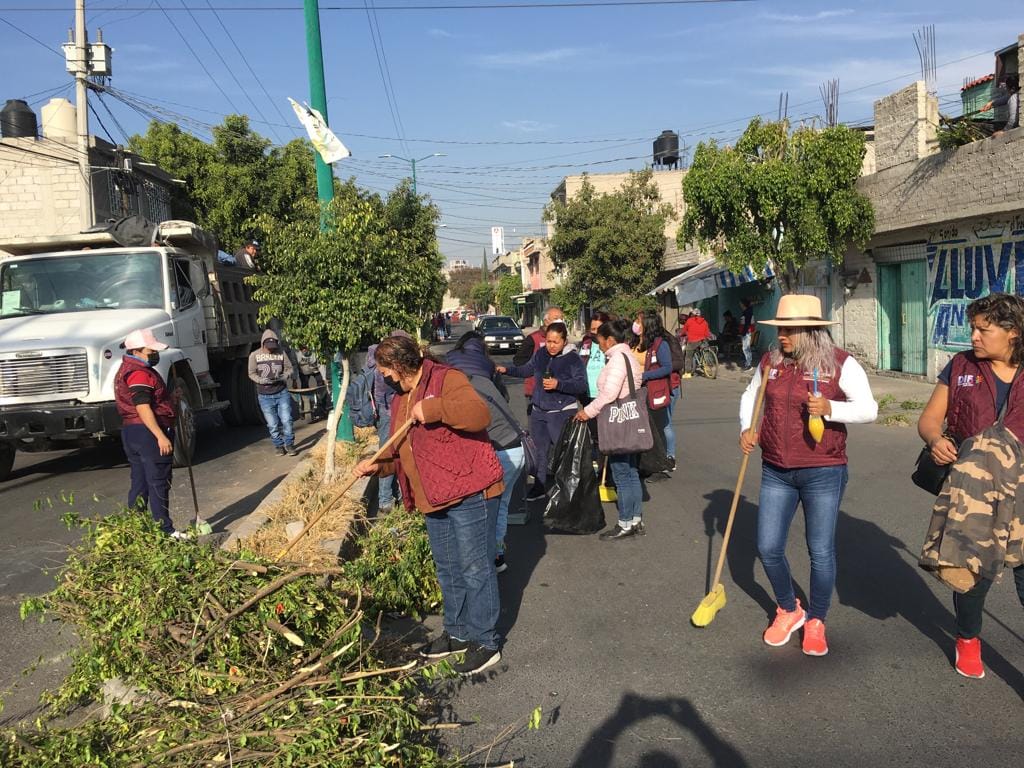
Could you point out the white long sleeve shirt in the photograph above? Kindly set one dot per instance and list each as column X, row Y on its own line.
column 859, row 407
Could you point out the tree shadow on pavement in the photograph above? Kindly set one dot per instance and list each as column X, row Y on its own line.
column 600, row 748
column 741, row 557
column 878, row 576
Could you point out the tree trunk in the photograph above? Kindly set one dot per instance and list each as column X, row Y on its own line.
column 332, row 421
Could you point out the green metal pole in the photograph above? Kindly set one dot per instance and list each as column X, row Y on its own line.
column 413, row 176
column 324, row 175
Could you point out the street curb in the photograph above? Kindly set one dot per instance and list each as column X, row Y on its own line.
column 256, row 519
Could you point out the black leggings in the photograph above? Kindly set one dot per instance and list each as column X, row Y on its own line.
column 970, row 605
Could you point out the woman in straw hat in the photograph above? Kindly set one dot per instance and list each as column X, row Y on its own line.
column 814, row 389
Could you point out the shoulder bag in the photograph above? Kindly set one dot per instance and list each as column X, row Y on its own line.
column 529, row 447
column 624, row 426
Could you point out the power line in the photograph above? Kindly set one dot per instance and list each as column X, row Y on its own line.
column 252, row 72
column 32, row 37
column 378, row 50
column 195, row 56
column 231, row 72
column 444, row 7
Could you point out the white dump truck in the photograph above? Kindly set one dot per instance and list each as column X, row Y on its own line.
column 66, row 304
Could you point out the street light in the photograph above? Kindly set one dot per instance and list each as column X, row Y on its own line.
column 413, row 164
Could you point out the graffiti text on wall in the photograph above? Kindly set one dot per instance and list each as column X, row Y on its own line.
column 964, row 264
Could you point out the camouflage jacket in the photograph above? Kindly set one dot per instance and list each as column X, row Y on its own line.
column 977, row 522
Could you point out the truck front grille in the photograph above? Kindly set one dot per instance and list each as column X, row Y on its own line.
column 65, row 374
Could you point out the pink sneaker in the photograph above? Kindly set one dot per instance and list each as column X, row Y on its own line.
column 785, row 624
column 814, row 638
column 968, row 658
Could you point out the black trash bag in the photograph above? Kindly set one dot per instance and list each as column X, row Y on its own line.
column 574, row 505
column 656, row 459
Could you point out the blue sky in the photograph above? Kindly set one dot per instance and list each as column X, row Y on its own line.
column 620, row 75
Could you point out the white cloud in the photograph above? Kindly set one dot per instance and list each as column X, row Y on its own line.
column 801, row 19
column 435, row 32
column 526, row 126
column 529, row 59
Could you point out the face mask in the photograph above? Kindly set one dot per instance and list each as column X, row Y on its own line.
column 394, row 384
column 153, row 358
column 271, row 346
column 637, row 328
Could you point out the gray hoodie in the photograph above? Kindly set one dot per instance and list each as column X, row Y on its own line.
column 270, row 370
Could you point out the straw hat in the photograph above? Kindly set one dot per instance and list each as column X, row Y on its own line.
column 798, row 310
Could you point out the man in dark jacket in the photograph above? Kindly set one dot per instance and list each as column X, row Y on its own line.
column 271, row 370
column 147, row 414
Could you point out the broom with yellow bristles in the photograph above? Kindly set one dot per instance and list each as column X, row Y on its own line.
column 714, row 601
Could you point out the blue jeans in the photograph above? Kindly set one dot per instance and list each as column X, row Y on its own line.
column 512, row 462
column 670, row 431
column 462, row 541
column 277, row 410
column 387, row 487
column 820, row 489
column 627, row 487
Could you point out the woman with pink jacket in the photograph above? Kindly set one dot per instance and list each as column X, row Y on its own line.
column 611, row 385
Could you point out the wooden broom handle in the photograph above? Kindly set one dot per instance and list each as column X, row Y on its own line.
column 399, row 433
column 739, row 482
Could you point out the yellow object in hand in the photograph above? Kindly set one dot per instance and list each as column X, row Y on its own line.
column 816, row 426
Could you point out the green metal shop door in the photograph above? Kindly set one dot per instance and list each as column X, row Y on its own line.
column 913, row 317
column 890, row 340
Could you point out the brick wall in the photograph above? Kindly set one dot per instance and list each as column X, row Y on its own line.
column 38, row 194
column 856, row 309
column 905, row 126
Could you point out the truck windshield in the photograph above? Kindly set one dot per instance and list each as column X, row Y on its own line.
column 76, row 283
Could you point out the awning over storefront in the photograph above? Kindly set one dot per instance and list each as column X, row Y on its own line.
column 706, row 280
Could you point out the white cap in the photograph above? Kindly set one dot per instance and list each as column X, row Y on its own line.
column 143, row 338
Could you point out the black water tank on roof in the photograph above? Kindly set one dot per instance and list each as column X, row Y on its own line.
column 666, row 148
column 17, row 120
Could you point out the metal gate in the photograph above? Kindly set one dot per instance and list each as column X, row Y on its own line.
column 902, row 316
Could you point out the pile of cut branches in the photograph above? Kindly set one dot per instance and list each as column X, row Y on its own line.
column 232, row 662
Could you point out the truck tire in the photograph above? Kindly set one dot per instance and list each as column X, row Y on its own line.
column 185, row 431
column 247, row 399
column 228, row 390
column 7, row 452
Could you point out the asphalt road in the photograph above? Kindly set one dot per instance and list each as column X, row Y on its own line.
column 234, row 469
column 598, row 633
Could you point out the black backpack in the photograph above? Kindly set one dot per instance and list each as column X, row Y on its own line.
column 678, row 361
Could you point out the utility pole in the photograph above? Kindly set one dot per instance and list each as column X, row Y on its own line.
column 324, row 175
column 85, row 206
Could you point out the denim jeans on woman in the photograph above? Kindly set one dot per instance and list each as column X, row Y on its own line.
column 626, row 474
column 512, row 462
column 670, row 430
column 462, row 541
column 277, row 410
column 820, row 490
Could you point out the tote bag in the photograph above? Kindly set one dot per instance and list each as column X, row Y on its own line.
column 624, row 426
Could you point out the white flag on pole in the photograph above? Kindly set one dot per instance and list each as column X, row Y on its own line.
column 324, row 141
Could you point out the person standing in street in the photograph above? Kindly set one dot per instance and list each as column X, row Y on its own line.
column 808, row 378
column 747, row 332
column 310, row 377
column 529, row 348
column 591, row 355
column 695, row 330
column 973, row 390
column 148, row 414
column 470, row 356
column 613, row 384
column 449, row 471
column 271, row 371
column 559, row 380
column 654, row 356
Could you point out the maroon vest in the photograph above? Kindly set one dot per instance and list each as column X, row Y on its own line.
column 785, row 440
column 972, row 398
column 538, row 337
column 452, row 464
column 162, row 404
column 659, row 391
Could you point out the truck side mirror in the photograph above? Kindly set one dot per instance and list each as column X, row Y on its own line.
column 199, row 278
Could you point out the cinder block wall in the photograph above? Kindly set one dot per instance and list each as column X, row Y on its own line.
column 38, row 194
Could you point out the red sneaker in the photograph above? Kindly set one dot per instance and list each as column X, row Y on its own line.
column 785, row 624
column 968, row 658
column 814, row 638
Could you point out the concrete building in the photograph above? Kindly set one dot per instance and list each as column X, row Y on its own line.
column 39, row 194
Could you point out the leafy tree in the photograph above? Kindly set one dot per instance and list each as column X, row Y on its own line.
column 231, row 181
column 610, row 245
column 462, row 281
column 785, row 196
column 510, row 285
column 345, row 286
column 482, row 296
